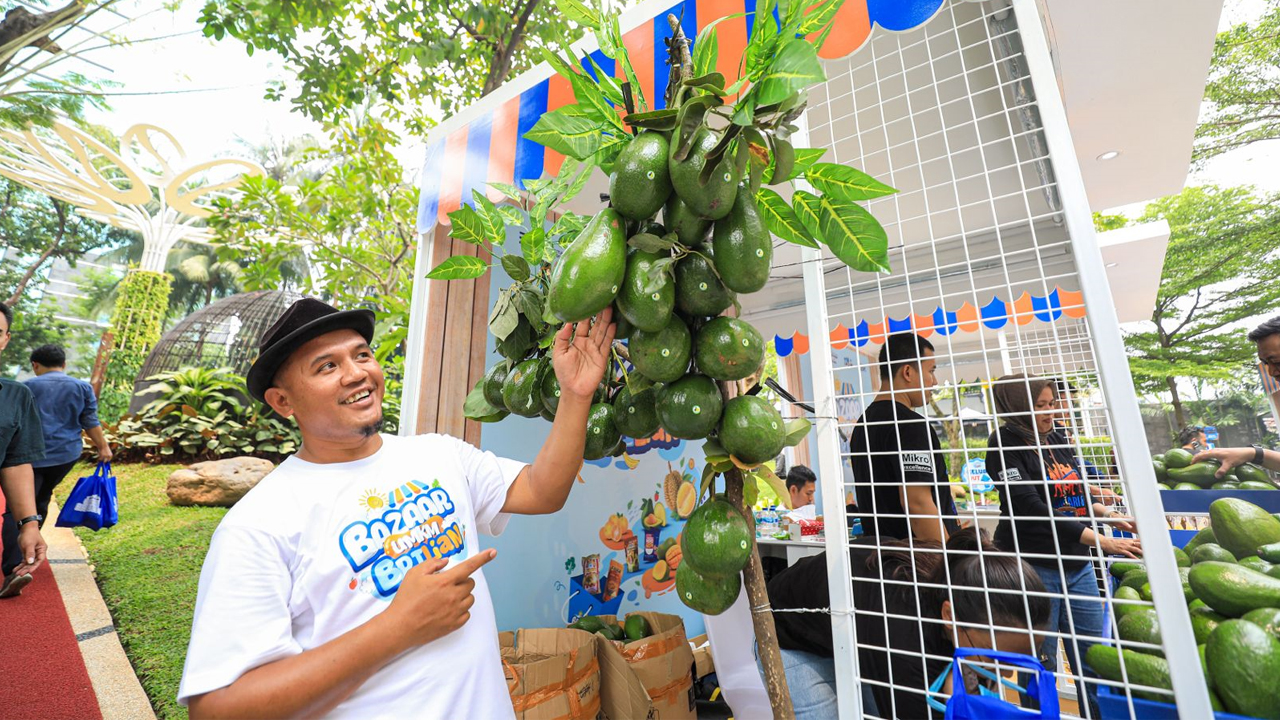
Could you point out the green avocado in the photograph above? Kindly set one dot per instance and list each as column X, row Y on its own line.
column 1234, row 590
column 521, row 391
column 690, row 229
column 1249, row 471
column 1266, row 618
column 662, row 356
column 1203, row 621
column 728, row 349
column 716, row 540
column 602, row 432
column 1256, row 563
column 1140, row 668
column 1134, row 579
column 698, row 288
column 636, row 414
column 743, row 247
column 589, row 623
column 587, row 276
column 1201, row 474
column 1142, row 626
column 645, row 300
column 751, row 429
column 1162, row 473
column 637, row 628
column 690, row 407
column 1241, row 526
column 1270, row 552
column 1255, row 485
column 640, row 182
column 1211, row 552
column 492, row 386
column 714, row 199
column 1182, row 558
column 707, row 594
column 1244, row 662
column 1178, row 458
column 1225, row 485
column 622, row 327
column 1187, row 486
column 1131, row 594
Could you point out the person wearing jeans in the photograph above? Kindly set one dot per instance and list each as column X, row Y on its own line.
column 67, row 407
column 1046, row 508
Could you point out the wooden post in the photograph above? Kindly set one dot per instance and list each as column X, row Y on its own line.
column 775, row 679
column 99, row 374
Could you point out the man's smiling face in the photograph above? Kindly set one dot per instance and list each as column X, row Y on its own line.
column 333, row 386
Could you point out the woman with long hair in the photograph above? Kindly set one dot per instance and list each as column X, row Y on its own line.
column 914, row 603
column 1046, row 512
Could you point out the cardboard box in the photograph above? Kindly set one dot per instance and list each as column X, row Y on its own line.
column 703, row 665
column 650, row 678
column 552, row 674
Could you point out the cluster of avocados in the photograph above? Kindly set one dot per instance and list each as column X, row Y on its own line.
column 1176, row 470
column 668, row 280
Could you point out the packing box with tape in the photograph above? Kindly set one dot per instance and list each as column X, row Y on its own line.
column 650, row 678
column 552, row 674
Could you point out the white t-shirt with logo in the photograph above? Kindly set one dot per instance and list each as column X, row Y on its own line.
column 313, row 551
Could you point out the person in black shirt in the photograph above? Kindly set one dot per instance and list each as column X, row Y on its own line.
column 21, row 443
column 899, row 475
column 906, row 629
column 1045, row 509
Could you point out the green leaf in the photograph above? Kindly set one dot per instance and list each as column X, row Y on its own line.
column 510, row 191
column 459, row 267
column 713, row 81
column 781, row 219
column 819, row 16
column 712, row 448
column 797, row 429
column 784, row 157
column 804, row 159
column 779, row 487
column 580, row 181
column 854, row 235
column 807, row 207
column 764, row 40
column 648, row 242
column 608, row 85
column 708, row 477
column 692, row 113
column 744, row 111
column 664, row 119
column 845, row 183
column 533, row 245
column 529, row 302
column 516, row 267
column 476, row 406
column 751, row 490
column 512, row 215
column 468, row 226
column 493, row 221
column 795, row 67
column 704, row 60
column 658, row 268
column 504, row 317
column 579, row 12
column 572, row 135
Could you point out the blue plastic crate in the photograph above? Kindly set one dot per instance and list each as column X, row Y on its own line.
column 1113, row 705
column 1197, row 501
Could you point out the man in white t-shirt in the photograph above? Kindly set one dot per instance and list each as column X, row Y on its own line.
column 348, row 582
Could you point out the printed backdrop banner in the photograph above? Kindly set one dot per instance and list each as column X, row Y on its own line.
column 486, row 143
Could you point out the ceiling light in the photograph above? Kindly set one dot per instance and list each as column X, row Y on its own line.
column 1109, row 155
column 1111, row 265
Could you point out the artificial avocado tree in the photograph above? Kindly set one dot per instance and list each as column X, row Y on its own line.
column 704, row 163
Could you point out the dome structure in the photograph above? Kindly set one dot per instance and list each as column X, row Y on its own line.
column 221, row 334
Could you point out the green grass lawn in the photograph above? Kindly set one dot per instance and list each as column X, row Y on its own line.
column 148, row 568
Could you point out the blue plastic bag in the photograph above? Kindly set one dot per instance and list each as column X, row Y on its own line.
column 963, row 706
column 92, row 502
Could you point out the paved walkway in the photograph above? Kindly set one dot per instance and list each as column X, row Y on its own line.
column 60, row 656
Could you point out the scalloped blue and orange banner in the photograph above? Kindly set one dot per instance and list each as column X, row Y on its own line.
column 995, row 315
column 490, row 147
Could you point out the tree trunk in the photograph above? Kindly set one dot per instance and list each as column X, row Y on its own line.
column 30, row 273
column 775, row 679
column 1178, row 415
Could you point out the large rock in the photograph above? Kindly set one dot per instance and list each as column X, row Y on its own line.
column 216, row 482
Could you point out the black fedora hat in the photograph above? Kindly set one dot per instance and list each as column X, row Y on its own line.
column 305, row 320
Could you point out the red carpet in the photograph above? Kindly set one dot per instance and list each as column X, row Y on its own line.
column 42, row 674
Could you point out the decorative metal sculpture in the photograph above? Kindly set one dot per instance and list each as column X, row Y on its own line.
column 149, row 186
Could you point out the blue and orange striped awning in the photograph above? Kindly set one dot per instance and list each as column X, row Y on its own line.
column 994, row 315
column 485, row 143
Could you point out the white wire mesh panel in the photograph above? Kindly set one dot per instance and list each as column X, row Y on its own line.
column 983, row 267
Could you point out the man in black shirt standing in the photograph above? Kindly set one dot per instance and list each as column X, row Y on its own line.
column 899, row 473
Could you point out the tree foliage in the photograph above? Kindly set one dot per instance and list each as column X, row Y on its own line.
column 407, row 56
column 1219, row 271
column 355, row 223
column 1243, row 92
